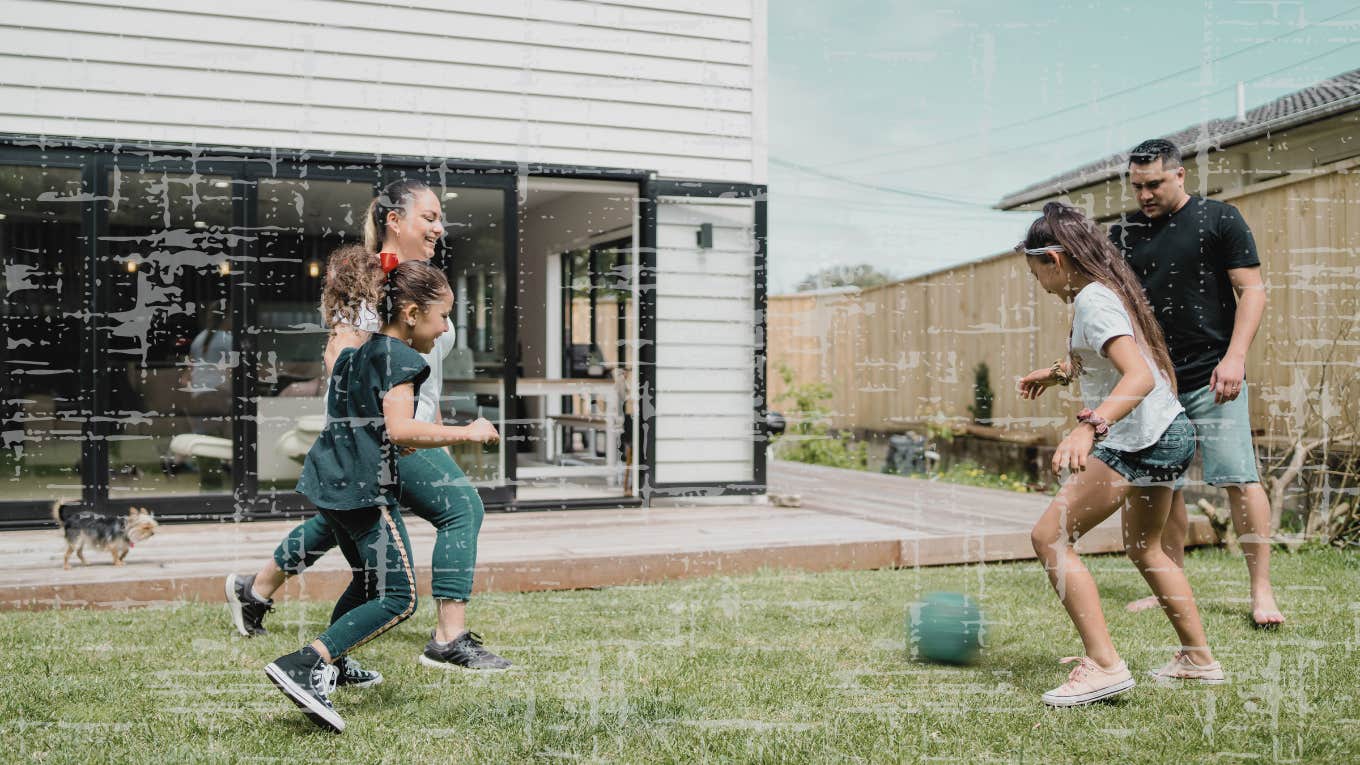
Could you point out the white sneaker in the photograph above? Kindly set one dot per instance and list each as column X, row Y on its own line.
column 1182, row 668
column 1089, row 682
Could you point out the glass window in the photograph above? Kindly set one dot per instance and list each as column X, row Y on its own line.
column 169, row 333
column 472, row 254
column 41, row 309
column 301, row 222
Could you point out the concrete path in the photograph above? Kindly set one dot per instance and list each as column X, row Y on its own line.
column 847, row 520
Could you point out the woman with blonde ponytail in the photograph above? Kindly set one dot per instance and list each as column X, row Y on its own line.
column 1141, row 441
column 403, row 223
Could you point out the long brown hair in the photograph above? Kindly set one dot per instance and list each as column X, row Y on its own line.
column 352, row 278
column 1093, row 255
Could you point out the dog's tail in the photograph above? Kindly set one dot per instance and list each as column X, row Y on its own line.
column 59, row 512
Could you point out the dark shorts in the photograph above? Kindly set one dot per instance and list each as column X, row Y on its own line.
column 1161, row 463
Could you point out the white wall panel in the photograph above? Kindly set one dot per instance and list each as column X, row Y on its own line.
column 703, row 450
column 710, row 309
column 687, row 260
column 705, row 380
column 399, row 99
column 689, row 284
column 704, row 473
column 705, row 343
column 664, row 87
column 702, row 356
column 91, row 52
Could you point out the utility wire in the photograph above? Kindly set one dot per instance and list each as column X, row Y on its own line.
column 885, row 189
column 1058, row 139
column 1089, row 102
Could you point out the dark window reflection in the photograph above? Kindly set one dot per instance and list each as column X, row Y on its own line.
column 300, row 223
column 41, row 311
column 168, row 333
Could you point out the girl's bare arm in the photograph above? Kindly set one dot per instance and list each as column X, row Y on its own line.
column 1134, row 386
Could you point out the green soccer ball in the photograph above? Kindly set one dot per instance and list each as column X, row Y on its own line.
column 945, row 627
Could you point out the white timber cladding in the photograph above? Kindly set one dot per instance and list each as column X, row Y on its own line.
column 705, row 342
column 667, row 86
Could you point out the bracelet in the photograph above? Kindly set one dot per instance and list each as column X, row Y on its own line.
column 1097, row 423
column 1061, row 375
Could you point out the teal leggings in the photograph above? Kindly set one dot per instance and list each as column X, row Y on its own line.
column 433, row 487
column 382, row 593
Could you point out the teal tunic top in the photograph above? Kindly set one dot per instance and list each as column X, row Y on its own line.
column 352, row 464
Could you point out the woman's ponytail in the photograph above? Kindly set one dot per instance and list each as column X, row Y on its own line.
column 395, row 197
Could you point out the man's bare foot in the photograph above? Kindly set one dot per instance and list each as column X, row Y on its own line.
column 1264, row 613
column 1143, row 604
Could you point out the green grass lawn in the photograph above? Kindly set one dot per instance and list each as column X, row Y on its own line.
column 776, row 667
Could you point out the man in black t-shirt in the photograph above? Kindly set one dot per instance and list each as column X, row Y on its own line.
column 1197, row 261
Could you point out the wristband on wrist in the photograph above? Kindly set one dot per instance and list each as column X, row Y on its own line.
column 1060, row 374
column 1099, row 424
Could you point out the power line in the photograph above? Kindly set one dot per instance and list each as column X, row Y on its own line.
column 1089, row 102
column 885, row 189
column 854, row 203
column 1048, row 141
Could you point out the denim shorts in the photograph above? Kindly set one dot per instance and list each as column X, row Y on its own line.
column 1224, row 435
column 1159, row 464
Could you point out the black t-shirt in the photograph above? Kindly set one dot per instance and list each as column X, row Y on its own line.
column 1183, row 260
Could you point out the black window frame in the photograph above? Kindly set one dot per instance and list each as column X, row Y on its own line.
column 95, row 157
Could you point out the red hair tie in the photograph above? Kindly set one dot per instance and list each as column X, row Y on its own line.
column 388, row 261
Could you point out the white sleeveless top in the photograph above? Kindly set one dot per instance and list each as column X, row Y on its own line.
column 427, row 398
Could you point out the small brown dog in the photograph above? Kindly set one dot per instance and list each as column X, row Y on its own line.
column 115, row 533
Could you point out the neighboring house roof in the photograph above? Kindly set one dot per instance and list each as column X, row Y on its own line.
column 1336, row 94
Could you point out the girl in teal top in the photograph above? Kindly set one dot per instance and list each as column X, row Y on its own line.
column 404, row 220
column 351, row 475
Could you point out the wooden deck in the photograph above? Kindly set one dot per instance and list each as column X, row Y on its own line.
column 848, row 520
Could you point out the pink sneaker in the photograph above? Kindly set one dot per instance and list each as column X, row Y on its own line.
column 1181, row 668
column 1088, row 683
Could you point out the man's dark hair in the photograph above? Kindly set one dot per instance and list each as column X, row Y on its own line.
column 1154, row 149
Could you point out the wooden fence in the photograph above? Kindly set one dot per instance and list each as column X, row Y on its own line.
column 897, row 354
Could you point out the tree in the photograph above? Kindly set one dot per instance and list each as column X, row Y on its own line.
column 862, row 275
column 983, row 395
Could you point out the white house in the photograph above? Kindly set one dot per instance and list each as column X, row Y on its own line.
column 173, row 175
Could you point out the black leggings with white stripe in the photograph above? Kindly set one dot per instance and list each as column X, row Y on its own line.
column 382, row 593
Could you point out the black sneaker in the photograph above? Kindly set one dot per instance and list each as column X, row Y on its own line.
column 247, row 611
column 353, row 675
column 465, row 651
column 306, row 679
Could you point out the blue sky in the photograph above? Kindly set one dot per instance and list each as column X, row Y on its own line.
column 949, row 99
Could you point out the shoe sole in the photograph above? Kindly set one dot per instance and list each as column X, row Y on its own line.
column 1175, row 679
column 449, row 666
column 364, row 684
column 234, row 606
column 316, row 712
column 1088, row 698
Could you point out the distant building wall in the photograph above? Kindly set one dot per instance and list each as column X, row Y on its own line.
column 901, row 352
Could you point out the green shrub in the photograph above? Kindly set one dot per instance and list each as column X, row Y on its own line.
column 808, row 437
column 983, row 395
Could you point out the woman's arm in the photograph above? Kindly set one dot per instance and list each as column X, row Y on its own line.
column 403, row 429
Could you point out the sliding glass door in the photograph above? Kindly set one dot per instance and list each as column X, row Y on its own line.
column 162, row 334
column 478, row 254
